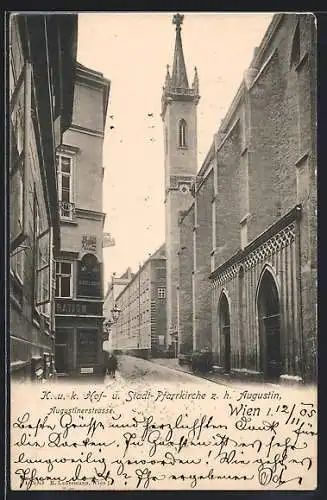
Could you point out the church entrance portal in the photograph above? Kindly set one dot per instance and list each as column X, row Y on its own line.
column 225, row 332
column 269, row 328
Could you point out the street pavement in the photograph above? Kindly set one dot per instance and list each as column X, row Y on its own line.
column 137, row 370
column 140, row 371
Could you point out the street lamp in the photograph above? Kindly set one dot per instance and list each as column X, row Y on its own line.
column 109, row 322
column 174, row 337
column 175, row 340
column 115, row 312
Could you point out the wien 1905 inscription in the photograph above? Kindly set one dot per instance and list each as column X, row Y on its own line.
column 198, row 437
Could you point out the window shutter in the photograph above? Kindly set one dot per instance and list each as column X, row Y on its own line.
column 43, row 260
column 20, row 111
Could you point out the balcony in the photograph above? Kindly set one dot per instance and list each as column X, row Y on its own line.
column 67, row 211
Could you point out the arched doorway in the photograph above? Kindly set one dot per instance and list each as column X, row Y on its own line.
column 224, row 324
column 269, row 327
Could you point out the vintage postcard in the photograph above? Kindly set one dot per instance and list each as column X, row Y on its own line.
column 163, row 251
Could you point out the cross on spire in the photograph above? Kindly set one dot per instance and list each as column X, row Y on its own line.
column 176, row 84
column 178, row 20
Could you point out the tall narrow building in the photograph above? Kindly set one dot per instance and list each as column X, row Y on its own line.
column 79, row 291
column 179, row 115
column 41, row 65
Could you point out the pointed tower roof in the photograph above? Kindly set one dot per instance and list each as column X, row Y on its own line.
column 179, row 75
column 176, row 85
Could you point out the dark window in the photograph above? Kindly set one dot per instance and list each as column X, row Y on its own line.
column 161, row 293
column 65, row 191
column 89, row 277
column 182, row 130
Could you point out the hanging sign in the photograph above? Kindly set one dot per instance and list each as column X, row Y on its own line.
column 108, row 240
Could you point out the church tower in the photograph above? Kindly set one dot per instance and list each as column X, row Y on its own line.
column 179, row 115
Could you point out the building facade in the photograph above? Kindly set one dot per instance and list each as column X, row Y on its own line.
column 254, row 239
column 115, row 288
column 195, row 256
column 79, row 290
column 141, row 326
column 41, row 65
column 179, row 108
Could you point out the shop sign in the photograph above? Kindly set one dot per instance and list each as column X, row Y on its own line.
column 87, row 369
column 76, row 307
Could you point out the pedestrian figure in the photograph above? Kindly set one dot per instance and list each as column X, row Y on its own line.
column 111, row 364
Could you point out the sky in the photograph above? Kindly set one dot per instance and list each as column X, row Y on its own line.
column 132, row 50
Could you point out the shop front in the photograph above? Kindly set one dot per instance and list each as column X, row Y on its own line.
column 78, row 346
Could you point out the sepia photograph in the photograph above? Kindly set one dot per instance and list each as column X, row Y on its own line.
column 162, row 250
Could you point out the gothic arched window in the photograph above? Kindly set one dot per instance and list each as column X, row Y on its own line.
column 295, row 53
column 182, row 130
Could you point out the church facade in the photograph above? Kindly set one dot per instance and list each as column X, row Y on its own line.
column 179, row 108
column 247, row 242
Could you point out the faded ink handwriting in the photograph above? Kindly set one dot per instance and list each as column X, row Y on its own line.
column 234, row 441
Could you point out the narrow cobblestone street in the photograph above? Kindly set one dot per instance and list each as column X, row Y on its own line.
column 137, row 370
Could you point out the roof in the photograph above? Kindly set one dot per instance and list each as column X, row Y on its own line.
column 179, row 75
column 160, row 253
column 95, row 78
column 256, row 62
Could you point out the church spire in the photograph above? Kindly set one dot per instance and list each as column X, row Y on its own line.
column 176, row 83
column 179, row 75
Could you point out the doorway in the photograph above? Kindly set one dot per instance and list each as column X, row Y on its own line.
column 224, row 320
column 269, row 328
column 61, row 354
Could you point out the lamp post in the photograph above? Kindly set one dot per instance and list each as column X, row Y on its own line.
column 115, row 313
column 109, row 322
column 175, row 340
